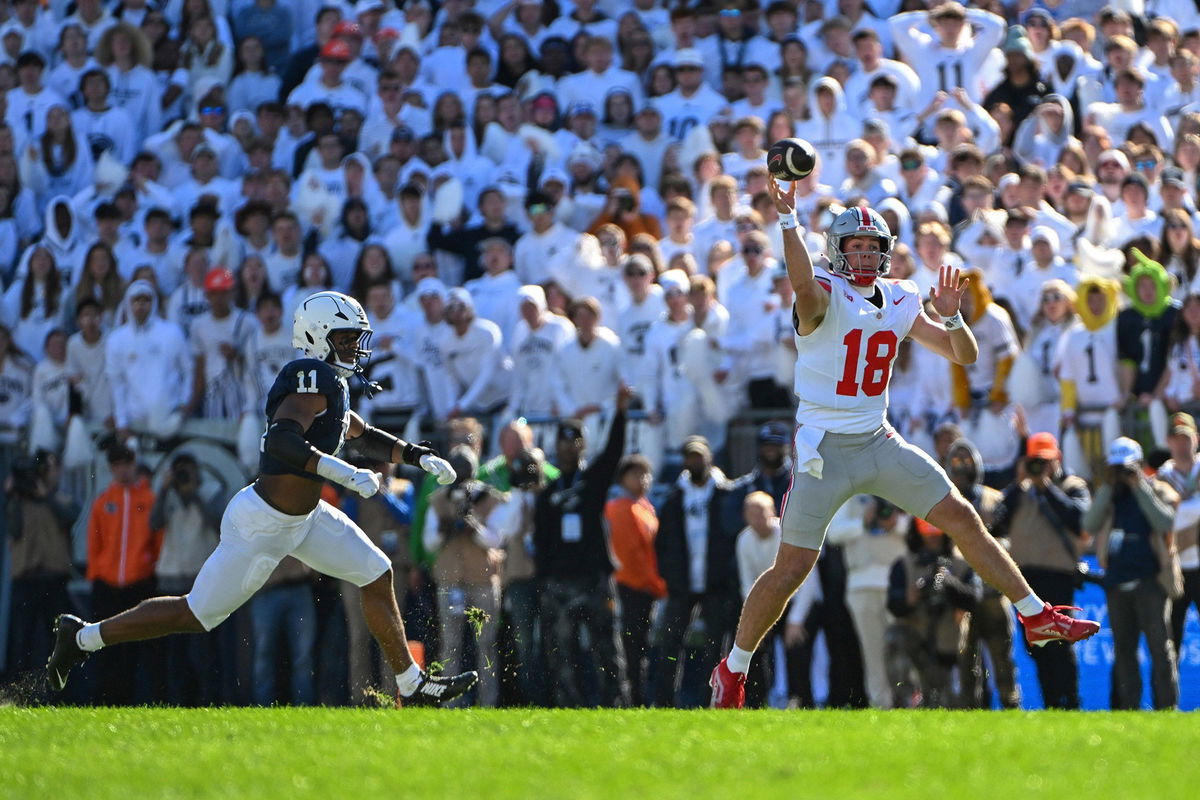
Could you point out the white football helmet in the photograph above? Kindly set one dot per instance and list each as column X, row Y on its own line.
column 318, row 317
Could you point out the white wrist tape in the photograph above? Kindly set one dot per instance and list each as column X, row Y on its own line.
column 334, row 469
column 953, row 323
column 788, row 221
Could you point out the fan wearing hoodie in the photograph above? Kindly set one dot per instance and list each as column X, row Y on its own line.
column 536, row 339
column 1043, row 135
column 697, row 558
column 63, row 238
column 474, row 358
column 830, row 129
column 149, row 367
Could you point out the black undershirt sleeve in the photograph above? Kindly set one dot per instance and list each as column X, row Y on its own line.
column 285, row 441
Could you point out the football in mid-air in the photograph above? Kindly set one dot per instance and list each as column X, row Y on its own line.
column 791, row 159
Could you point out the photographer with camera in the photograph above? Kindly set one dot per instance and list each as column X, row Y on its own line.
column 190, row 524
column 930, row 591
column 1040, row 516
column 522, row 471
column 467, row 569
column 39, row 556
column 991, row 623
column 1182, row 471
column 1132, row 517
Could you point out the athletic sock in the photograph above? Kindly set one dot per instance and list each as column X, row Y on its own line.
column 1030, row 607
column 409, row 680
column 739, row 660
column 88, row 637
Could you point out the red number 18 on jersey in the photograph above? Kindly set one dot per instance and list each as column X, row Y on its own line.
column 876, row 360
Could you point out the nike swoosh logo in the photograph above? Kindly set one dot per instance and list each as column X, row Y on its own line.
column 898, row 302
column 60, row 679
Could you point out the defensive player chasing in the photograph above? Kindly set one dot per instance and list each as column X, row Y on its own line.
column 849, row 323
column 281, row 514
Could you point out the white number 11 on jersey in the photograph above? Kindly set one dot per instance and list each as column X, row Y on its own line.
column 311, row 388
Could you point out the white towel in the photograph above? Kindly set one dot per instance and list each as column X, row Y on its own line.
column 808, row 457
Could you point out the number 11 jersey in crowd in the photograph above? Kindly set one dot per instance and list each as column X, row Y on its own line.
column 844, row 366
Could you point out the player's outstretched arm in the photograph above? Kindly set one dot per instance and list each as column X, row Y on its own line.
column 952, row 338
column 379, row 444
column 811, row 298
column 285, row 441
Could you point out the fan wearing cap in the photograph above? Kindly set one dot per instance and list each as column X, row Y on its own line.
column 219, row 339
column 693, row 102
column 474, row 357
column 536, row 337
column 331, row 85
column 1132, row 517
column 1181, row 472
column 949, row 59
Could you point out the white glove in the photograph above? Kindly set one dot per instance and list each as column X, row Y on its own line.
column 439, row 467
column 363, row 482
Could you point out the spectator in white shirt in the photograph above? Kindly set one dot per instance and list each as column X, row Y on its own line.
column 29, row 100
column 681, row 214
column 748, row 152
column 1133, row 215
column 147, row 345
column 693, row 102
column 547, row 241
column 720, row 227
column 538, row 336
column 495, row 294
column 474, row 359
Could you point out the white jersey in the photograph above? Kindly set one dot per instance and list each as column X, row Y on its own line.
column 586, row 375
column 533, row 360
column 632, row 325
column 844, row 366
column 1089, row 358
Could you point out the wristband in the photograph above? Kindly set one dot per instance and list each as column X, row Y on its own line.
column 788, row 222
column 953, row 323
column 333, row 469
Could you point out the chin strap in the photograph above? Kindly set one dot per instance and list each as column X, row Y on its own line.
column 370, row 387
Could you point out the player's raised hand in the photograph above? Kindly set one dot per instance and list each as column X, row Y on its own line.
column 438, row 467
column 785, row 202
column 947, row 294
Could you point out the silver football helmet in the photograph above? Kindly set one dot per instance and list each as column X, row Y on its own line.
column 863, row 267
column 322, row 314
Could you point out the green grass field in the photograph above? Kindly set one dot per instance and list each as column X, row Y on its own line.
column 132, row 754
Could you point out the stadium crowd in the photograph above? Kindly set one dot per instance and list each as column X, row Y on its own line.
column 538, row 202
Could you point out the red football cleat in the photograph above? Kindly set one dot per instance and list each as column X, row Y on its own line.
column 729, row 688
column 1051, row 625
